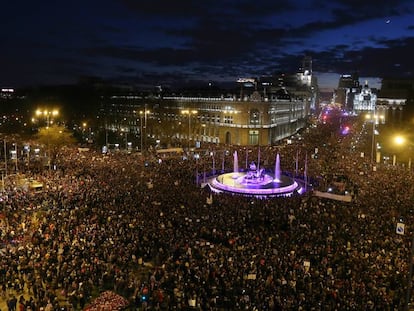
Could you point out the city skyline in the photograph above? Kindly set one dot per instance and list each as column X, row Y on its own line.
column 164, row 42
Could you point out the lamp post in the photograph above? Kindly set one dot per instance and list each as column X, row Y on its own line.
column 189, row 113
column 84, row 134
column 368, row 117
column 373, row 139
column 140, row 128
column 16, row 157
column 5, row 157
column 399, row 141
column 106, row 135
column 375, row 120
column 125, row 132
column 47, row 114
column 143, row 114
column 402, row 141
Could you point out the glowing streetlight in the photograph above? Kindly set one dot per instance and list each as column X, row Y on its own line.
column 375, row 119
column 47, row 114
column 399, row 140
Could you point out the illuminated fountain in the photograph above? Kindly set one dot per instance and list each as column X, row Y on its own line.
column 277, row 169
column 235, row 165
column 255, row 181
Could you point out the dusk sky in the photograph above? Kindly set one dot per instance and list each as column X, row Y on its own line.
column 161, row 42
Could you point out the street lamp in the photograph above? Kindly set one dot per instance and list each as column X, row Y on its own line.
column 375, row 120
column 399, row 141
column 125, row 132
column 5, row 156
column 402, row 141
column 143, row 114
column 85, row 136
column 15, row 156
column 140, row 127
column 189, row 113
column 47, row 114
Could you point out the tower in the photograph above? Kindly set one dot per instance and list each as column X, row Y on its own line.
column 305, row 72
column 307, row 65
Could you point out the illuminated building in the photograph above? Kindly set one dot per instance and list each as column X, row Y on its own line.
column 397, row 99
column 261, row 114
column 365, row 100
column 348, row 86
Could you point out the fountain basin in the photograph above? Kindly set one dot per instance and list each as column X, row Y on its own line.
column 263, row 186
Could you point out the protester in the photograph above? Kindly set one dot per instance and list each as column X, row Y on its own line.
column 143, row 228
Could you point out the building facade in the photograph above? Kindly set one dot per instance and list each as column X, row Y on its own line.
column 348, row 86
column 258, row 111
column 397, row 99
column 171, row 120
column 365, row 100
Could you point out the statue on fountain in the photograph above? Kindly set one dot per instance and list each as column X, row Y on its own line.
column 252, row 166
column 254, row 173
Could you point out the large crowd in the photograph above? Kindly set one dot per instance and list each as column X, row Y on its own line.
column 145, row 229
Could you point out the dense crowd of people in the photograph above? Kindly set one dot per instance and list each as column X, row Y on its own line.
column 145, row 229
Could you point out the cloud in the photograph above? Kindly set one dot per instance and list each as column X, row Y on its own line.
column 189, row 40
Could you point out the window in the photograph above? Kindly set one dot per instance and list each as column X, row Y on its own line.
column 228, row 119
column 254, row 117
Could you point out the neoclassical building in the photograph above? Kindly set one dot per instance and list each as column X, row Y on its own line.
column 259, row 111
column 254, row 119
column 365, row 100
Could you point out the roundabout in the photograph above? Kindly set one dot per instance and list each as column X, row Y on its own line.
column 256, row 182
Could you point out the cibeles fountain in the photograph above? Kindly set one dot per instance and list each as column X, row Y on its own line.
column 255, row 181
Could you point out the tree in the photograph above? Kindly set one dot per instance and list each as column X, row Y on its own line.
column 53, row 138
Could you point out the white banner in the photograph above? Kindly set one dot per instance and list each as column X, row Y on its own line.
column 400, row 228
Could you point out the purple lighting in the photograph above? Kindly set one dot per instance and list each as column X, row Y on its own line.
column 263, row 186
column 255, row 182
